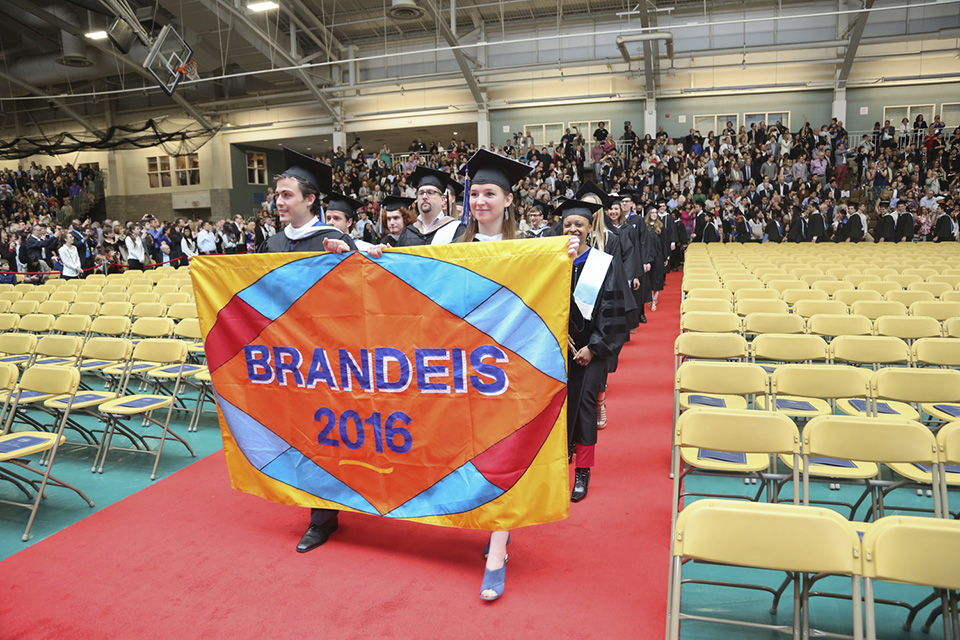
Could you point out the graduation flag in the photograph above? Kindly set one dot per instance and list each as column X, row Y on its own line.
column 428, row 384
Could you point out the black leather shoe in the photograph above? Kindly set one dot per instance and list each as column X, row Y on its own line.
column 316, row 535
column 581, row 482
column 643, row 319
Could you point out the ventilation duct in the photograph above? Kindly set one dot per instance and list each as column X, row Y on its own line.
column 405, row 10
column 74, row 52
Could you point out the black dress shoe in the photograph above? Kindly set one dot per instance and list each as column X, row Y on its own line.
column 643, row 319
column 581, row 482
column 316, row 535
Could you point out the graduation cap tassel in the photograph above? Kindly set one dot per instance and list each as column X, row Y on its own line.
column 465, row 218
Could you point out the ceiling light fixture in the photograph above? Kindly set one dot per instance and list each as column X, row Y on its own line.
column 96, row 35
column 263, row 6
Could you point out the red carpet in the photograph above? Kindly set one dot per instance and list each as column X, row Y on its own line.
column 190, row 558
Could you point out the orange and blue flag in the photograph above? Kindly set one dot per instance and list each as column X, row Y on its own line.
column 428, row 384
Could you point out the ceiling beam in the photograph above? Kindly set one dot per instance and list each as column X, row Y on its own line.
column 107, row 48
column 855, row 34
column 271, row 49
column 332, row 46
column 60, row 104
column 458, row 54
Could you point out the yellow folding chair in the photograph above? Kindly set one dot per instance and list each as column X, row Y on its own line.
column 912, row 550
column 849, row 449
column 158, row 352
column 810, row 390
column 948, row 445
column 710, row 321
column 719, row 294
column 828, row 324
column 936, row 391
column 731, row 443
column 15, row 447
column 939, row 310
column 36, row 323
column 908, row 327
column 937, row 289
column 869, row 350
column 690, row 304
column 759, row 323
column 809, row 308
column 875, row 309
column 116, row 309
column 798, row 540
column 18, row 348
column 758, row 305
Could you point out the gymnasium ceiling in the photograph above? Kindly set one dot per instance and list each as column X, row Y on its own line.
column 50, row 73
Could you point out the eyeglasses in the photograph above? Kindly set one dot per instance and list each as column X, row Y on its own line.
column 428, row 192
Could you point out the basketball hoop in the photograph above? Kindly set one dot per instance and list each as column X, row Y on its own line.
column 189, row 70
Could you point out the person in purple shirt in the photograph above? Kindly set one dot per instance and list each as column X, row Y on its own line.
column 818, row 167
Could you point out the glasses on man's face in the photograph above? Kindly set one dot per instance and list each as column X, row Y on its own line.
column 429, row 193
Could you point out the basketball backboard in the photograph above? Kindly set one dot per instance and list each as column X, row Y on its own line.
column 167, row 57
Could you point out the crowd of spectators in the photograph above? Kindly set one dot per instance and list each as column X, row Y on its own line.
column 762, row 184
column 747, row 179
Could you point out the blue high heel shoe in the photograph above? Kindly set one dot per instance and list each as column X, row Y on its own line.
column 486, row 549
column 494, row 580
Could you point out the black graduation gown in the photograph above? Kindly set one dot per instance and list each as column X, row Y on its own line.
column 624, row 245
column 906, row 227
column 412, row 237
column 280, row 243
column 605, row 334
column 886, row 229
column 798, row 231
column 651, row 252
column 943, row 229
column 842, row 231
column 773, row 231
column 698, row 225
column 817, row 228
column 389, row 240
column 855, row 230
column 710, row 233
column 542, row 232
column 743, row 231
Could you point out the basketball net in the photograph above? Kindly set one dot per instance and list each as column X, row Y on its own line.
column 189, row 70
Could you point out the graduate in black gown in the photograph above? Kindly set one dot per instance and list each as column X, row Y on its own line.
column 886, row 229
column 298, row 191
column 652, row 256
column 906, row 224
column 433, row 225
column 594, row 337
column 396, row 214
column 537, row 214
column 945, row 228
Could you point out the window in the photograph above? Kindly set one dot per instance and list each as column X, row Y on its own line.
column 188, row 169
column 163, row 170
column 716, row 123
column 158, row 171
column 543, row 134
column 896, row 114
column 768, row 118
column 950, row 115
column 256, row 167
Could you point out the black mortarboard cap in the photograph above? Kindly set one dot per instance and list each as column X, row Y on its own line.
column 455, row 186
column 392, row 203
column 590, row 187
column 486, row 167
column 425, row 176
column 569, row 207
column 545, row 207
column 313, row 172
column 628, row 192
column 345, row 204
